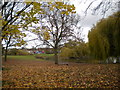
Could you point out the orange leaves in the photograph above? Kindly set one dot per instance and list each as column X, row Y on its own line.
column 46, row 35
column 64, row 8
column 45, row 74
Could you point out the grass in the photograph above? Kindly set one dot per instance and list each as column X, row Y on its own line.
column 28, row 57
column 50, row 57
column 47, row 55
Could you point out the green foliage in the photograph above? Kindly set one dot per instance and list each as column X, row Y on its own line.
column 12, row 51
column 12, row 36
column 58, row 20
column 44, row 56
column 75, row 49
column 98, row 45
column 17, row 52
column 67, row 52
column 53, row 13
column 13, row 20
column 22, row 52
column 82, row 49
column 104, row 38
column 49, row 51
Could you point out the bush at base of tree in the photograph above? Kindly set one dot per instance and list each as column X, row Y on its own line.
column 75, row 50
column 66, row 53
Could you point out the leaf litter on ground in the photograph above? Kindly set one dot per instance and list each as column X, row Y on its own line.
column 45, row 74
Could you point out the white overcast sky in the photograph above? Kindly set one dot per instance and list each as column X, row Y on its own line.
column 86, row 21
column 90, row 19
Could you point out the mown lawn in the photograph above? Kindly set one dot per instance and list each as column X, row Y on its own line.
column 28, row 57
column 46, row 55
column 45, row 74
column 49, row 57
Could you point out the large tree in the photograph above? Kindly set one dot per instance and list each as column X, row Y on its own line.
column 104, row 38
column 57, row 24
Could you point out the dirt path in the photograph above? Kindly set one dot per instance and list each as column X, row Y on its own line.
column 45, row 74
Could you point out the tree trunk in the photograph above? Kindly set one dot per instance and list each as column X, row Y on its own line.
column 2, row 51
column 6, row 50
column 55, row 55
column 0, row 55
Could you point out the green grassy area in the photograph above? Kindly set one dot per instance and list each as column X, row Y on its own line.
column 28, row 57
column 45, row 54
column 49, row 57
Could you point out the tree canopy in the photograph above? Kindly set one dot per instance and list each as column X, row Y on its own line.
column 104, row 38
column 56, row 24
column 12, row 20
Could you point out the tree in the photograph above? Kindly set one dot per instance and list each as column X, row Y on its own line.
column 75, row 49
column 13, row 37
column 97, row 43
column 10, row 29
column 0, row 42
column 10, row 14
column 15, row 17
column 57, row 24
column 102, row 7
column 104, row 37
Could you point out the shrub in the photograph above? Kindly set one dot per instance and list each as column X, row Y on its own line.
column 17, row 52
column 44, row 56
column 23, row 52
column 74, row 50
column 67, row 53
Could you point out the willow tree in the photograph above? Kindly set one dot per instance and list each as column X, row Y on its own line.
column 98, row 44
column 104, row 38
column 56, row 24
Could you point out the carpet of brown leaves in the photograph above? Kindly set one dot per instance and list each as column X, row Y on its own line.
column 45, row 74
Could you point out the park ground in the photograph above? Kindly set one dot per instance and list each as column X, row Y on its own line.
column 33, row 73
